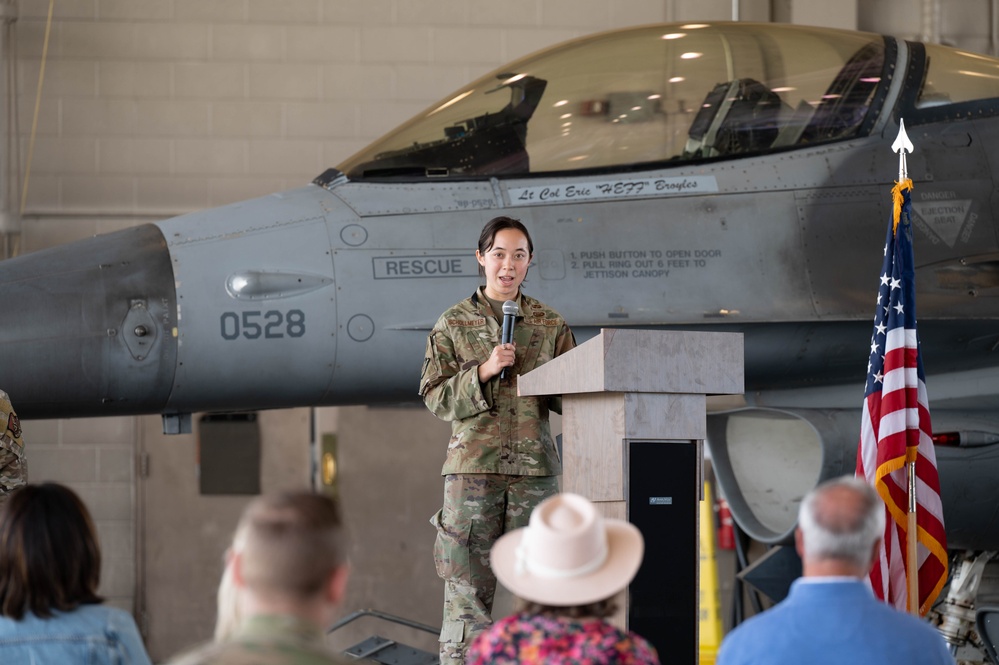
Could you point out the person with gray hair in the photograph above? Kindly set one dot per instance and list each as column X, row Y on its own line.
column 289, row 572
column 831, row 615
column 845, row 534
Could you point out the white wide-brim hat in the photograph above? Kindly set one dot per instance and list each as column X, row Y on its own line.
column 568, row 554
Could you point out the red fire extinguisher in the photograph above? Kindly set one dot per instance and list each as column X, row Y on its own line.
column 726, row 533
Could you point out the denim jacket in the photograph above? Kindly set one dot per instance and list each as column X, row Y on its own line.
column 89, row 635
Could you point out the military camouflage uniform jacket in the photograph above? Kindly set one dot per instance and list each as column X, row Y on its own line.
column 266, row 640
column 492, row 429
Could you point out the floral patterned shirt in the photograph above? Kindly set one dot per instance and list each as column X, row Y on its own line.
column 523, row 638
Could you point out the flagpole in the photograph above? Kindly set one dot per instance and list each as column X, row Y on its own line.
column 912, row 559
column 901, row 145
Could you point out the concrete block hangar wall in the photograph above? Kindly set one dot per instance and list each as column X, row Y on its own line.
column 156, row 108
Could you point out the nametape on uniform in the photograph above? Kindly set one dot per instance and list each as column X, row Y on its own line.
column 466, row 322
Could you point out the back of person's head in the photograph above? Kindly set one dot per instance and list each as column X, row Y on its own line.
column 228, row 611
column 292, row 543
column 49, row 556
column 842, row 519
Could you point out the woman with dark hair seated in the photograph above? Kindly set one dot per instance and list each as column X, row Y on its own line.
column 50, row 567
column 565, row 568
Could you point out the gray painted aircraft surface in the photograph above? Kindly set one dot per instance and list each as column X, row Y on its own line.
column 727, row 176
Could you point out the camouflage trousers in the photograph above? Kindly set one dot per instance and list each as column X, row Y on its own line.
column 478, row 509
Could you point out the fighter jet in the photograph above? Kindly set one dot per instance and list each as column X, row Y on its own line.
column 724, row 176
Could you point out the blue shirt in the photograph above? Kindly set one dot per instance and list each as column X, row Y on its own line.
column 90, row 635
column 832, row 623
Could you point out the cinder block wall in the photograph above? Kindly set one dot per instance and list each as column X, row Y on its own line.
column 153, row 108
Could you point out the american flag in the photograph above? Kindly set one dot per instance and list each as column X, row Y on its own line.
column 895, row 426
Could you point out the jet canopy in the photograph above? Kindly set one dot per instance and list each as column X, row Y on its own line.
column 674, row 93
column 666, row 93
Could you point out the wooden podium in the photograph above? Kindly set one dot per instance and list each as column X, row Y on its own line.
column 633, row 426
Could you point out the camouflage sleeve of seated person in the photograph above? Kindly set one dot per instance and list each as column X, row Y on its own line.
column 13, row 466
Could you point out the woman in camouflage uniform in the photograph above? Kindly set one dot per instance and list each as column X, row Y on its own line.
column 501, row 459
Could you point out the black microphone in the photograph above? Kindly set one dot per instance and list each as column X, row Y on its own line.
column 510, row 311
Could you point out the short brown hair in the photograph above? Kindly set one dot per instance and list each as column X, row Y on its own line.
column 293, row 542
column 601, row 609
column 49, row 555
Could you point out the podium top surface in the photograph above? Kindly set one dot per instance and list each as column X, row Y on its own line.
column 644, row 361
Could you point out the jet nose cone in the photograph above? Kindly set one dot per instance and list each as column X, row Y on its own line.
column 89, row 326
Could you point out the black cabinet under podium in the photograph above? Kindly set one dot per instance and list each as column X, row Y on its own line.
column 663, row 494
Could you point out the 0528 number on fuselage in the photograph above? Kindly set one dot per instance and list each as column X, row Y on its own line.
column 272, row 324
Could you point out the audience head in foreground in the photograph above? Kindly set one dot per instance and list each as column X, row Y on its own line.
column 565, row 568
column 227, row 602
column 290, row 575
column 830, row 614
column 50, row 568
column 840, row 526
